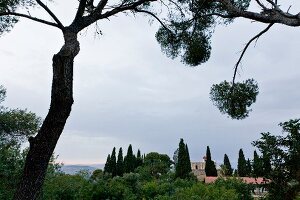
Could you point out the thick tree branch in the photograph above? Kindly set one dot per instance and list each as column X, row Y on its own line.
column 50, row 13
column 97, row 13
column 269, row 16
column 101, row 5
column 80, row 10
column 261, row 5
column 245, row 49
column 31, row 18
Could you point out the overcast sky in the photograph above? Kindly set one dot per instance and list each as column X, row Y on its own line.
column 127, row 91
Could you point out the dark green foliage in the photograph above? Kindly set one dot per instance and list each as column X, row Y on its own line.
column 248, row 168
column 113, row 162
column 11, row 163
column 210, row 167
column 228, row 169
column 7, row 22
column 242, row 189
column 258, row 170
column 236, row 99
column 157, row 164
column 107, row 167
column 242, row 165
column 16, row 124
column 183, row 166
column 120, row 163
column 129, row 160
column 139, row 159
column 188, row 162
column 61, row 187
column 267, row 168
column 283, row 153
column 190, row 37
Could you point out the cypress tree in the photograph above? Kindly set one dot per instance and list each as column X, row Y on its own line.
column 242, row 166
column 129, row 161
column 257, row 165
column 113, row 162
column 210, row 167
column 266, row 166
column 188, row 160
column 107, row 168
column 248, row 168
column 120, row 163
column 183, row 166
column 228, row 168
column 139, row 159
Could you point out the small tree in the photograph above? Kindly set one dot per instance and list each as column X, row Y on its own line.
column 210, row 167
column 242, row 165
column 113, row 162
column 227, row 166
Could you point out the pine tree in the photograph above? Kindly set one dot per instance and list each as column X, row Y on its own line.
column 129, row 161
column 242, row 167
column 107, row 168
column 120, row 163
column 183, row 166
column 227, row 165
column 210, row 167
column 113, row 162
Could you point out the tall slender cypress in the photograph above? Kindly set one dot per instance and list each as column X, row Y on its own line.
column 210, row 167
column 266, row 165
column 120, row 163
column 183, row 166
column 107, row 168
column 188, row 160
column 113, row 162
column 129, row 161
column 249, row 171
column 139, row 159
column 257, row 165
column 228, row 168
column 241, row 168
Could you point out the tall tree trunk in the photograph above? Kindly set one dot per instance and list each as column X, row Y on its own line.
column 43, row 144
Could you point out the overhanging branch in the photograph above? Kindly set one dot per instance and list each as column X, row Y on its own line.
column 245, row 49
column 31, row 18
column 50, row 13
column 153, row 15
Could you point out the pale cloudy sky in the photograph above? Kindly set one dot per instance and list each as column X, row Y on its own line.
column 127, row 91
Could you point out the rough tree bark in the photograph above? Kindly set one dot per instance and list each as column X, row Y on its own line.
column 43, row 144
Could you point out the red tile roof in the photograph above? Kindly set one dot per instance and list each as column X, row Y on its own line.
column 248, row 180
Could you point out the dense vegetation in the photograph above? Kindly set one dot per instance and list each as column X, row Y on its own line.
column 153, row 175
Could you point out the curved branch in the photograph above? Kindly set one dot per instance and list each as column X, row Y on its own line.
column 245, row 49
column 153, row 15
column 50, row 13
column 31, row 18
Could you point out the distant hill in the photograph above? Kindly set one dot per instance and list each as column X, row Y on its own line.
column 73, row 169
